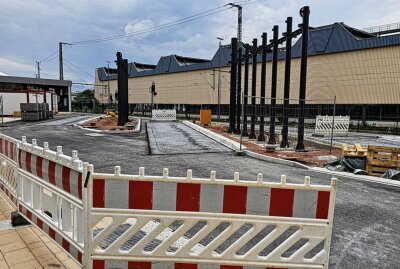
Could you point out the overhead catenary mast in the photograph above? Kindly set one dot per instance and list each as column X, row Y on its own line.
column 239, row 26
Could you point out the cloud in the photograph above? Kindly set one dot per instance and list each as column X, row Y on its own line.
column 138, row 26
column 34, row 34
column 10, row 66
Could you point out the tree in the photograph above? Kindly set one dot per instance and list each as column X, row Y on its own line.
column 85, row 96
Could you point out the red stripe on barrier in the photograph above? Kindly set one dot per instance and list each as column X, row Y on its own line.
column 29, row 214
column 235, row 199
column 52, row 233
column 65, row 245
column 6, row 147
column 281, row 202
column 12, row 151
column 1, row 145
column 139, row 265
column 28, row 158
column 185, row 266
column 140, row 195
column 80, row 185
column 66, row 179
column 188, row 197
column 19, row 158
column 52, row 172
column 323, row 205
column 98, row 192
column 20, row 208
column 79, row 257
column 99, row 264
column 39, row 163
column 230, row 267
column 39, row 223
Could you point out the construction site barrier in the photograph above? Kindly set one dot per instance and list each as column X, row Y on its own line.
column 163, row 114
column 140, row 221
column 324, row 125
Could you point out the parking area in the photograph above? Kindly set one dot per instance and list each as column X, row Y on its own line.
column 367, row 215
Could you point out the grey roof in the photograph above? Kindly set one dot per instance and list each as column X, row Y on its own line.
column 36, row 81
column 333, row 38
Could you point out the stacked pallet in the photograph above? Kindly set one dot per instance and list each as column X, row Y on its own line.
column 356, row 151
column 35, row 111
column 380, row 159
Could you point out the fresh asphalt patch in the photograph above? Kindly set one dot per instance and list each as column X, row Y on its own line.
column 177, row 138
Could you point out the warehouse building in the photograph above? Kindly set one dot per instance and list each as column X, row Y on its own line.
column 16, row 90
column 362, row 69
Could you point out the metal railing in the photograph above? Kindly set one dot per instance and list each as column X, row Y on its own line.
column 383, row 29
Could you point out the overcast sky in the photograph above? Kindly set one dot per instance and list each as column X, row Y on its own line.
column 30, row 30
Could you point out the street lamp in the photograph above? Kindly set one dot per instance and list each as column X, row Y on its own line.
column 219, row 78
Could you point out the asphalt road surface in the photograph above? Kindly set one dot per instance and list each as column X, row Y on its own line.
column 367, row 217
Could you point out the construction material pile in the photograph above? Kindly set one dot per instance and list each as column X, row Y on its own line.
column 35, row 111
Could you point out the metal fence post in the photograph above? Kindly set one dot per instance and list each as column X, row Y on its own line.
column 333, row 123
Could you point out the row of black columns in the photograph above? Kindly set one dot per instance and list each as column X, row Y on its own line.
column 236, row 76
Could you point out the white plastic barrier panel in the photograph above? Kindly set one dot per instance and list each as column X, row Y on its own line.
column 163, row 114
column 8, row 166
column 323, row 125
column 50, row 194
column 139, row 221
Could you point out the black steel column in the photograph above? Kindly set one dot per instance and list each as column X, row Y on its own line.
column 252, row 134
column 239, row 91
column 123, row 105
column 261, row 136
column 272, row 109
column 305, row 13
column 232, row 101
column 286, row 94
column 245, row 89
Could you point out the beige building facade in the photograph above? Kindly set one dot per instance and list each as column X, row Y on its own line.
column 360, row 69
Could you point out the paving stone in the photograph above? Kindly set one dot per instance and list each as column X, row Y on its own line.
column 12, row 246
column 19, row 256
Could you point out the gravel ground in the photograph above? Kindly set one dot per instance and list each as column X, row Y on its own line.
column 367, row 215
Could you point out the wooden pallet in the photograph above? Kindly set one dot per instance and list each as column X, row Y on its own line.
column 380, row 159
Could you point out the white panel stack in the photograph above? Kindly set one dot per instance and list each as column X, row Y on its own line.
column 323, row 125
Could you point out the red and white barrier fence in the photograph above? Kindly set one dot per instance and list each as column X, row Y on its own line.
column 139, row 221
column 46, row 186
column 151, row 222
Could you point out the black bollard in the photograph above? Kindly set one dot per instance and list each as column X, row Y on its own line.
column 238, row 92
column 286, row 93
column 232, row 101
column 252, row 134
column 261, row 136
column 245, row 89
column 272, row 109
column 123, row 104
column 305, row 13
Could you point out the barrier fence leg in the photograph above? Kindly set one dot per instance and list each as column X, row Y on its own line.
column 333, row 123
column 86, row 201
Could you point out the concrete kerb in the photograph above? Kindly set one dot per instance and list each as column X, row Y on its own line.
column 377, row 180
column 236, row 147
column 136, row 130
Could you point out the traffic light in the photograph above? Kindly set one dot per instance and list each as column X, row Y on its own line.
column 153, row 89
